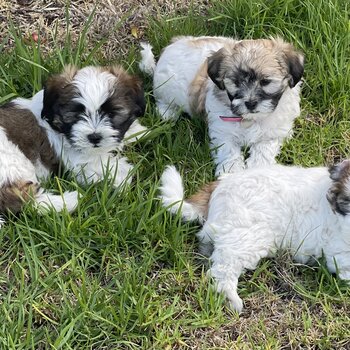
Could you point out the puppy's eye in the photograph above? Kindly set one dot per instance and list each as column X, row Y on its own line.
column 71, row 117
column 265, row 82
column 229, row 96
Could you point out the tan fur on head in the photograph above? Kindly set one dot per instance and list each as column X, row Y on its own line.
column 268, row 57
column 254, row 74
column 62, row 79
column 128, row 81
column 69, row 72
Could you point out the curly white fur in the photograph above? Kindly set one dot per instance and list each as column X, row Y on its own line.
column 253, row 213
column 264, row 131
column 89, row 163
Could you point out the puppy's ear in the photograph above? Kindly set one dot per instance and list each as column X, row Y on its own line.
column 340, row 171
column 339, row 193
column 294, row 60
column 132, row 90
column 138, row 96
column 54, row 89
column 215, row 62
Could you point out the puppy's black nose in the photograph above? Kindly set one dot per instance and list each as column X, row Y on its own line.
column 94, row 138
column 251, row 104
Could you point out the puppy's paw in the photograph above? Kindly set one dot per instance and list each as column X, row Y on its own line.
column 236, row 303
column 229, row 288
column 135, row 132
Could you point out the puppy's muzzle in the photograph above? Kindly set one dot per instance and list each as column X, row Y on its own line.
column 251, row 105
column 94, row 139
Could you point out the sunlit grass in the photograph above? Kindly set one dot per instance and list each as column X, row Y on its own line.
column 120, row 272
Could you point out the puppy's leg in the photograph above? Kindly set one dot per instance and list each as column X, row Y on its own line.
column 120, row 171
column 46, row 200
column 205, row 242
column 263, row 153
column 226, row 270
column 135, row 132
column 237, row 250
column 227, row 156
column 168, row 111
column 339, row 263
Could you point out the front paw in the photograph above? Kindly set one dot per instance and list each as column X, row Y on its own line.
column 135, row 132
column 123, row 172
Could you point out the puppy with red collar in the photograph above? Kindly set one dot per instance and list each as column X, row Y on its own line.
column 247, row 89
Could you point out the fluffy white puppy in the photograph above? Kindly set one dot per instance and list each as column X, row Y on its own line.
column 26, row 157
column 87, row 113
column 248, row 89
column 251, row 214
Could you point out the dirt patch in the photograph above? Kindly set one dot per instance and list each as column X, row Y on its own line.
column 123, row 22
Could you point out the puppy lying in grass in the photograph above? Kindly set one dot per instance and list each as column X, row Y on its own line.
column 78, row 122
column 251, row 214
column 86, row 114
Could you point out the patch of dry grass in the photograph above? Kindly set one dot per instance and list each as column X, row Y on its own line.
column 122, row 22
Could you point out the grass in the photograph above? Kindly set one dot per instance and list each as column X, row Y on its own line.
column 121, row 273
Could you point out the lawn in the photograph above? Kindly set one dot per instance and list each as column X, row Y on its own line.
column 122, row 273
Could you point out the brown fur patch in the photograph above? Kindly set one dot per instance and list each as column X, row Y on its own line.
column 127, row 94
column 14, row 195
column 202, row 197
column 339, row 193
column 198, row 90
column 205, row 40
column 23, row 130
column 127, row 81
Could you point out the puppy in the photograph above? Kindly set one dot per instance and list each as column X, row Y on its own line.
column 248, row 90
column 86, row 114
column 25, row 157
column 251, row 214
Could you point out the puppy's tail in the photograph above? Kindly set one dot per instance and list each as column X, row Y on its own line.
column 172, row 196
column 148, row 62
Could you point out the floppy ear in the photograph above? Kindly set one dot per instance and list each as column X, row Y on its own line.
column 338, row 193
column 138, row 96
column 296, row 67
column 338, row 171
column 215, row 62
column 56, row 87
column 132, row 89
column 295, row 64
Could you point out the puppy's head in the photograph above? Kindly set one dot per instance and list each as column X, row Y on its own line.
column 255, row 73
column 93, row 107
column 339, row 193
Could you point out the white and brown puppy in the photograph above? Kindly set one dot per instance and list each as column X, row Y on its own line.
column 25, row 157
column 248, row 89
column 251, row 214
column 87, row 113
